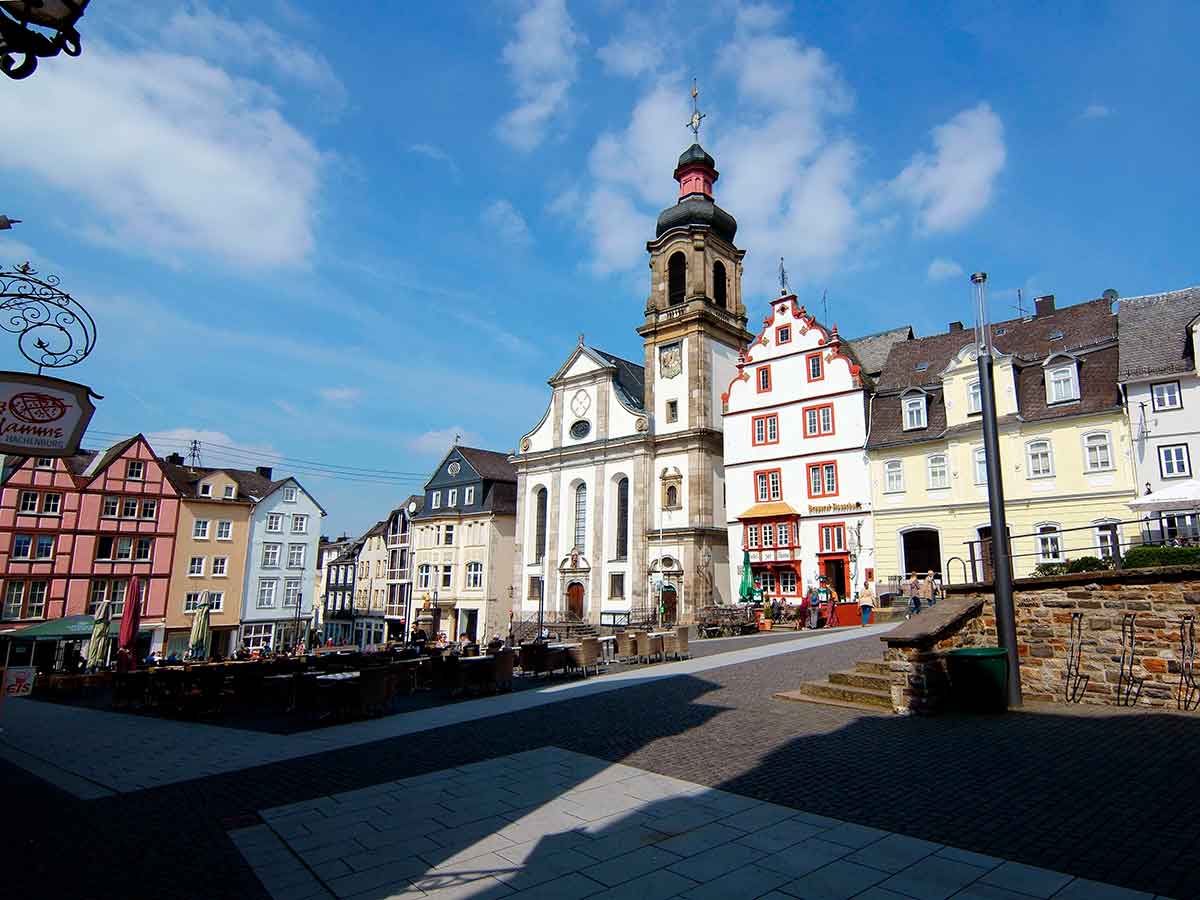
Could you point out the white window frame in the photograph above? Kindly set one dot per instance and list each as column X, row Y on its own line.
column 1104, row 529
column 299, row 523
column 295, row 556
column 216, row 600
column 225, row 530
column 1029, row 459
column 1071, row 371
column 1164, row 407
column 275, row 523
column 469, row 496
column 424, row 576
column 200, row 530
column 436, row 500
column 29, row 502
column 291, row 593
column 448, row 536
column 452, row 497
column 194, row 570
column 50, row 508
column 206, row 489
column 979, row 465
column 1049, row 539
column 148, row 509
column 893, row 477
column 974, row 398
column 930, row 466
column 1186, row 471
column 44, row 462
column 135, row 470
column 267, row 588
column 271, row 554
column 290, row 494
column 258, row 636
column 220, row 566
column 918, row 404
column 474, row 575
column 1108, row 452
column 230, row 491
column 37, row 546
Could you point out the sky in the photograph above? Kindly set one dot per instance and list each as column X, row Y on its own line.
column 315, row 239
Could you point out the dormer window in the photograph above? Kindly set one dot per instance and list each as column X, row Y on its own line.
column 1062, row 382
column 44, row 462
column 914, row 412
column 230, row 491
column 974, row 398
column 289, row 495
column 206, row 490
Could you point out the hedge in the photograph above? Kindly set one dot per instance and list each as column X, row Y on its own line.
column 1145, row 557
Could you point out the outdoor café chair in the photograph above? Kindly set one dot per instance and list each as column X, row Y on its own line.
column 645, row 646
column 503, row 671
column 586, row 655
column 681, row 643
column 626, row 645
column 670, row 645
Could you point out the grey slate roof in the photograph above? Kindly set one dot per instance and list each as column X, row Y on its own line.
column 630, row 380
column 489, row 464
column 251, row 485
column 1153, row 333
column 872, row 349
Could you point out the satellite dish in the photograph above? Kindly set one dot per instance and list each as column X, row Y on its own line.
column 1110, row 295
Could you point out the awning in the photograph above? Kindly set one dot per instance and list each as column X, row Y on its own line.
column 1181, row 497
column 772, row 510
column 68, row 628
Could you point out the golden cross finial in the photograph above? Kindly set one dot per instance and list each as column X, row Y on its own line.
column 694, row 122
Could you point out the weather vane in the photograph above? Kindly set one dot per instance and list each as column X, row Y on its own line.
column 784, row 290
column 694, row 122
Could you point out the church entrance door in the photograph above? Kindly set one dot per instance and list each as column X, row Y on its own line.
column 575, row 600
column 670, row 604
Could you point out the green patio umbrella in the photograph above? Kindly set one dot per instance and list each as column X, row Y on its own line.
column 201, row 636
column 98, row 645
column 746, row 591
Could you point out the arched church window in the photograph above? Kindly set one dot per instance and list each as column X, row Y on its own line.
column 719, row 284
column 676, row 278
column 581, row 517
column 539, row 536
column 623, row 519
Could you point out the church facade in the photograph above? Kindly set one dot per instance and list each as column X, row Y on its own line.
column 620, row 486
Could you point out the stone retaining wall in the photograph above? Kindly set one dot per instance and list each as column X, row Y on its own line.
column 1161, row 598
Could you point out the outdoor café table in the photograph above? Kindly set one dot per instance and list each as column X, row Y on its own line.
column 608, row 647
column 338, row 676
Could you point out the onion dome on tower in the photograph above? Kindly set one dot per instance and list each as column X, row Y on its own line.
column 696, row 174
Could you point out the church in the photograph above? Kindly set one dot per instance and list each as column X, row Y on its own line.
column 620, row 487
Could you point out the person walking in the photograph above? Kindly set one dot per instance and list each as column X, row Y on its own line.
column 866, row 602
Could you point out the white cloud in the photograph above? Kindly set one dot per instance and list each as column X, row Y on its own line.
column 437, row 154
column 340, row 396
column 542, row 62
column 787, row 174
column 251, row 41
column 640, row 47
column 440, row 440
column 510, row 226
column 191, row 159
column 1096, row 111
column 942, row 269
column 954, row 184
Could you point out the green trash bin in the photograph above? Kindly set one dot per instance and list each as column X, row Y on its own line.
column 978, row 678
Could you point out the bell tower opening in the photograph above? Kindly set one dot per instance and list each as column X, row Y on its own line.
column 676, row 278
column 719, row 284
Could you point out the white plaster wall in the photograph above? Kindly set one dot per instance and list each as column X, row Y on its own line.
column 542, row 437
column 676, row 388
column 1176, row 426
column 570, row 417
column 723, row 366
column 670, row 518
column 304, row 505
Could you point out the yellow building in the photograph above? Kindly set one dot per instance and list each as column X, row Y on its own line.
column 1064, row 447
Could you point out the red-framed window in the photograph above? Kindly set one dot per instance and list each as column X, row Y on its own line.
column 751, row 536
column 822, row 479
column 814, row 367
column 831, row 537
column 763, row 379
column 819, row 420
column 777, row 582
column 783, row 334
column 764, row 429
column 768, row 485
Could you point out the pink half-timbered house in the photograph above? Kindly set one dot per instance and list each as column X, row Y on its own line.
column 74, row 531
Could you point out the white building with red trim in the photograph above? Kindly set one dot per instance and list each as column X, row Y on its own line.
column 797, row 481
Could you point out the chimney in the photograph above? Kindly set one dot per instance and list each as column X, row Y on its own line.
column 264, row 471
column 956, row 326
column 175, row 459
column 1043, row 306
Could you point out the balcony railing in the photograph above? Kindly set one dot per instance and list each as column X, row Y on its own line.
column 399, row 574
column 394, row 610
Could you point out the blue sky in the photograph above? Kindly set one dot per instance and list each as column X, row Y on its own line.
column 343, row 239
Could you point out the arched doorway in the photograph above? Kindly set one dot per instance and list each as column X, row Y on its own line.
column 922, row 551
column 575, row 600
column 669, row 609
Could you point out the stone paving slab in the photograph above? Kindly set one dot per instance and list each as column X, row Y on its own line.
column 576, row 846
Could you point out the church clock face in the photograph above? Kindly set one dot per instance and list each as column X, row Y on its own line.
column 670, row 360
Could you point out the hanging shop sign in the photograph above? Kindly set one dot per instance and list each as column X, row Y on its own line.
column 43, row 416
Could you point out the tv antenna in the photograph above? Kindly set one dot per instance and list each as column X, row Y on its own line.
column 194, row 454
column 1021, row 304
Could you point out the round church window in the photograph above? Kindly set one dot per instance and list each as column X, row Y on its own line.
column 453, row 469
column 581, row 429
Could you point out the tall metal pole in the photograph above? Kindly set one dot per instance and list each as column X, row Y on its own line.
column 1002, row 587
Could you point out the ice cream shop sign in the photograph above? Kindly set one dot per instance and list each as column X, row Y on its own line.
column 42, row 416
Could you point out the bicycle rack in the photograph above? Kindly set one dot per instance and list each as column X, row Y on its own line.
column 1129, row 689
column 1076, row 684
column 1189, row 690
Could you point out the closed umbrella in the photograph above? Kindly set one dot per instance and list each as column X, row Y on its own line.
column 746, row 591
column 201, row 636
column 131, row 618
column 98, row 645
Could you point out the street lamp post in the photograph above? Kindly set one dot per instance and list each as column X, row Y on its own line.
column 1002, row 587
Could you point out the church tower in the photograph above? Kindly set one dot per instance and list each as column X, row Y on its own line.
column 694, row 329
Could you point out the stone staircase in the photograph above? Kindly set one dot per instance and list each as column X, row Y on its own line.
column 866, row 686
